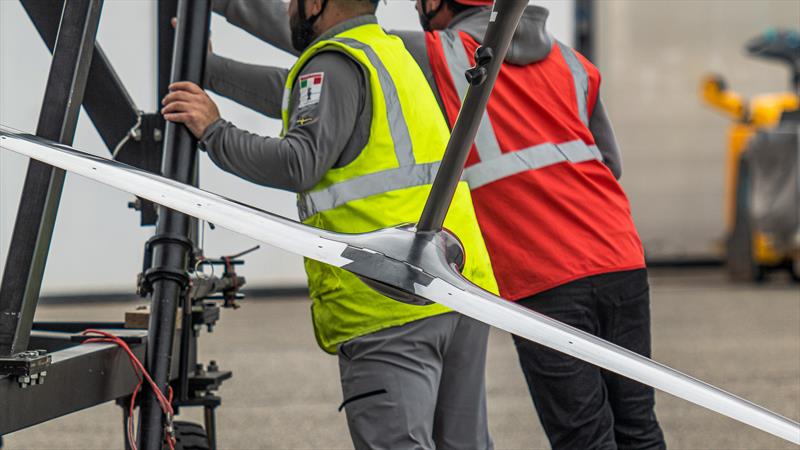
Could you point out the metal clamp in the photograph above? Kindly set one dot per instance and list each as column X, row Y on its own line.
column 30, row 367
column 477, row 75
column 134, row 133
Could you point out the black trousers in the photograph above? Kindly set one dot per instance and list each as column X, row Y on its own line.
column 580, row 405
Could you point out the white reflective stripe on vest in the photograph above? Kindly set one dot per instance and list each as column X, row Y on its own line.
column 458, row 63
column 409, row 174
column 310, row 203
column 494, row 164
column 531, row 158
column 394, row 112
column 287, row 93
column 536, row 157
column 580, row 78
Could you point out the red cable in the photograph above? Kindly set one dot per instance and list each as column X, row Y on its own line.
column 141, row 373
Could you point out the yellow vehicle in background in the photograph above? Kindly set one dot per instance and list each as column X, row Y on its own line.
column 762, row 189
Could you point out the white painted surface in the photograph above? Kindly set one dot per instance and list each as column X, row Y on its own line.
column 97, row 243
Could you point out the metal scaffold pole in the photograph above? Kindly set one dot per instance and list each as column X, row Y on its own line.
column 171, row 245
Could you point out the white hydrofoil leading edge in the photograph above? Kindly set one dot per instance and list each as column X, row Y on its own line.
column 454, row 292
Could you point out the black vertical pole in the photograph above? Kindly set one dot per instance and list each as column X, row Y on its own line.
column 167, row 9
column 171, row 245
column 33, row 230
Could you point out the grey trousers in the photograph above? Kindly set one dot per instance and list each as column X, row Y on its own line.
column 417, row 386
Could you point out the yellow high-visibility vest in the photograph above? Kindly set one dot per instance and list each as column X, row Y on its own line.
column 386, row 185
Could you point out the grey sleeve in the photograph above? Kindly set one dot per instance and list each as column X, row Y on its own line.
column 264, row 19
column 317, row 134
column 603, row 132
column 257, row 87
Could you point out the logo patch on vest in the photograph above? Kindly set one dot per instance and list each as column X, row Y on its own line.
column 310, row 89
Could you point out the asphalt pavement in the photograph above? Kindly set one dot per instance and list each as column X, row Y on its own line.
column 285, row 392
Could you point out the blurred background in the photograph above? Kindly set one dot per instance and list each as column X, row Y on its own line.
column 696, row 90
column 653, row 56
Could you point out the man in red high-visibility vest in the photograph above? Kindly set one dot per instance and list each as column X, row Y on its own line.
column 556, row 222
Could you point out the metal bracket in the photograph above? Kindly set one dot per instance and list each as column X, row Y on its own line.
column 141, row 147
column 478, row 74
column 29, row 367
column 209, row 378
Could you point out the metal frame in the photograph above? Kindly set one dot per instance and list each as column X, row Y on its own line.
column 22, row 279
column 80, row 376
column 107, row 103
column 97, row 373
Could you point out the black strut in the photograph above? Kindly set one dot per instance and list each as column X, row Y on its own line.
column 506, row 15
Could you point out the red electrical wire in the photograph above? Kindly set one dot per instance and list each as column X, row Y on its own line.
column 141, row 374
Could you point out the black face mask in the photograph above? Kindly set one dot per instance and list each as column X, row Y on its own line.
column 426, row 16
column 303, row 27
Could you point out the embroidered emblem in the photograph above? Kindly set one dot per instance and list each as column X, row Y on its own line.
column 306, row 120
column 310, row 89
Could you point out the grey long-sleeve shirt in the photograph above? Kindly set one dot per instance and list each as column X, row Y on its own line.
column 266, row 20
column 250, row 85
column 329, row 120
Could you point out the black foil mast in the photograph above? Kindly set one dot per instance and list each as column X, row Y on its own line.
column 506, row 14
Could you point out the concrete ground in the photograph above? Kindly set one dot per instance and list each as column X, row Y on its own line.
column 284, row 394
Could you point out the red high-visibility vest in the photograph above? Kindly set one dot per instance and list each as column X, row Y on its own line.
column 551, row 212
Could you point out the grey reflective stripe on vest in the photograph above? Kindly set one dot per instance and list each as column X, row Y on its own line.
column 409, row 174
column 458, row 63
column 310, row 203
column 580, row 78
column 394, row 111
column 530, row 158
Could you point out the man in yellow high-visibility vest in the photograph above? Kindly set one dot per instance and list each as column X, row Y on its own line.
column 362, row 136
column 559, row 244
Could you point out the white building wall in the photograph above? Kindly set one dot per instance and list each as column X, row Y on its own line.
column 653, row 55
column 97, row 244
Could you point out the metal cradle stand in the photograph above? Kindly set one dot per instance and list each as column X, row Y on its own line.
column 79, row 376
